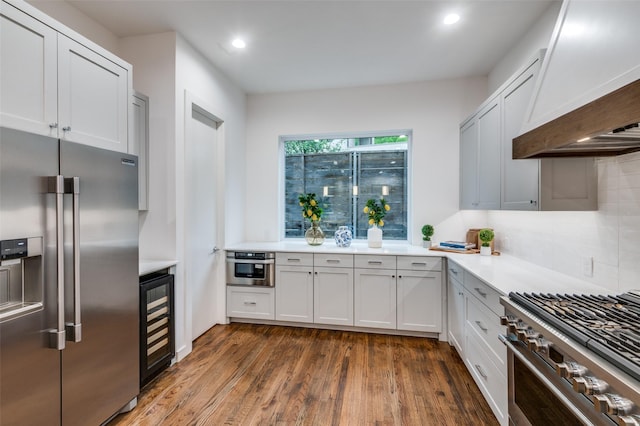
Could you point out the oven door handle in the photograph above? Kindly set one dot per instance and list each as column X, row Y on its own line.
column 547, row 383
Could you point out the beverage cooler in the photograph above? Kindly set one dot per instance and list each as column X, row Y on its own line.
column 157, row 325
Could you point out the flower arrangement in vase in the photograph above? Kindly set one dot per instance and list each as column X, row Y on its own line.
column 375, row 212
column 311, row 210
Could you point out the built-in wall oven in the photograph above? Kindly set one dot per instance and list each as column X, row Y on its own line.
column 251, row 268
column 573, row 360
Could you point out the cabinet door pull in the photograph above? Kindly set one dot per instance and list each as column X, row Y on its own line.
column 480, row 292
column 53, row 125
column 481, row 327
column 453, row 271
column 293, row 259
column 419, row 263
column 250, row 303
column 374, row 262
column 333, row 260
column 66, row 129
column 480, row 371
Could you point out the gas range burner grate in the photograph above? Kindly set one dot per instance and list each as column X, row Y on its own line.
column 608, row 325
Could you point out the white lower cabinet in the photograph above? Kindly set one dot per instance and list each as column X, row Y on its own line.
column 456, row 307
column 333, row 295
column 294, row 287
column 419, row 301
column 251, row 302
column 491, row 379
column 375, row 298
column 294, row 293
column 474, row 312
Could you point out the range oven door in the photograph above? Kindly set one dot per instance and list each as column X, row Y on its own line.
column 539, row 397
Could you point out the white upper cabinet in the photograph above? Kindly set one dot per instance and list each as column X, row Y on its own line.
column 491, row 179
column 519, row 177
column 139, row 145
column 92, row 97
column 489, row 137
column 469, row 165
column 57, row 83
column 27, row 73
column 593, row 51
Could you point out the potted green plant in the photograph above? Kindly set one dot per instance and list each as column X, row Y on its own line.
column 427, row 232
column 486, row 235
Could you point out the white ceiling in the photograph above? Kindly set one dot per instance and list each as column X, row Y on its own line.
column 308, row 44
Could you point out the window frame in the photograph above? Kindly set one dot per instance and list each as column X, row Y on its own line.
column 343, row 135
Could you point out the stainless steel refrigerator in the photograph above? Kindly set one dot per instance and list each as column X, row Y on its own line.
column 69, row 345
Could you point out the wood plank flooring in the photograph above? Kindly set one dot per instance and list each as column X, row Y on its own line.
column 243, row 374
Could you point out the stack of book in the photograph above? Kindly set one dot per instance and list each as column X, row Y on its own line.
column 456, row 245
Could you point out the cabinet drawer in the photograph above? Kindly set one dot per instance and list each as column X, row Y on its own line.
column 249, row 302
column 484, row 293
column 294, row 259
column 419, row 263
column 491, row 380
column 333, row 260
column 455, row 271
column 375, row 262
column 487, row 326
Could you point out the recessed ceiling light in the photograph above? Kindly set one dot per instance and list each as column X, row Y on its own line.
column 451, row 18
column 238, row 43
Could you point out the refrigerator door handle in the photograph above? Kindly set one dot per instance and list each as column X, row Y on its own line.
column 57, row 335
column 74, row 329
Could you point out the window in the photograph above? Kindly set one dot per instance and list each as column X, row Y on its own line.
column 344, row 173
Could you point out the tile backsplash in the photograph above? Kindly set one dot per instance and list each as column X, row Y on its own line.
column 601, row 246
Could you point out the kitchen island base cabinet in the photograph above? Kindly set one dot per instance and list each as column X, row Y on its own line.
column 251, row 302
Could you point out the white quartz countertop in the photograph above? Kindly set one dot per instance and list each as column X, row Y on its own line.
column 507, row 273
column 300, row 246
column 504, row 273
column 148, row 266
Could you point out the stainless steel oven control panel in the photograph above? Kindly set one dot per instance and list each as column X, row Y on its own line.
column 613, row 396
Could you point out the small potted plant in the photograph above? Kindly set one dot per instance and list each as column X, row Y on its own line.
column 427, row 232
column 486, row 236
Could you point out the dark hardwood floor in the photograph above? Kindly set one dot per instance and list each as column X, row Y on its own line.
column 243, row 374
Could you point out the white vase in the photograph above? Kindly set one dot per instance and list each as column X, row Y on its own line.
column 374, row 237
column 485, row 251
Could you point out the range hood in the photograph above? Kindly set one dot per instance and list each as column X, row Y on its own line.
column 606, row 126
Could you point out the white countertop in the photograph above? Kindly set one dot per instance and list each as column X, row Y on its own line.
column 504, row 273
column 147, row 266
column 329, row 246
column 507, row 273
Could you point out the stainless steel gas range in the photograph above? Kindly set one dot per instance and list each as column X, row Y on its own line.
column 573, row 359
